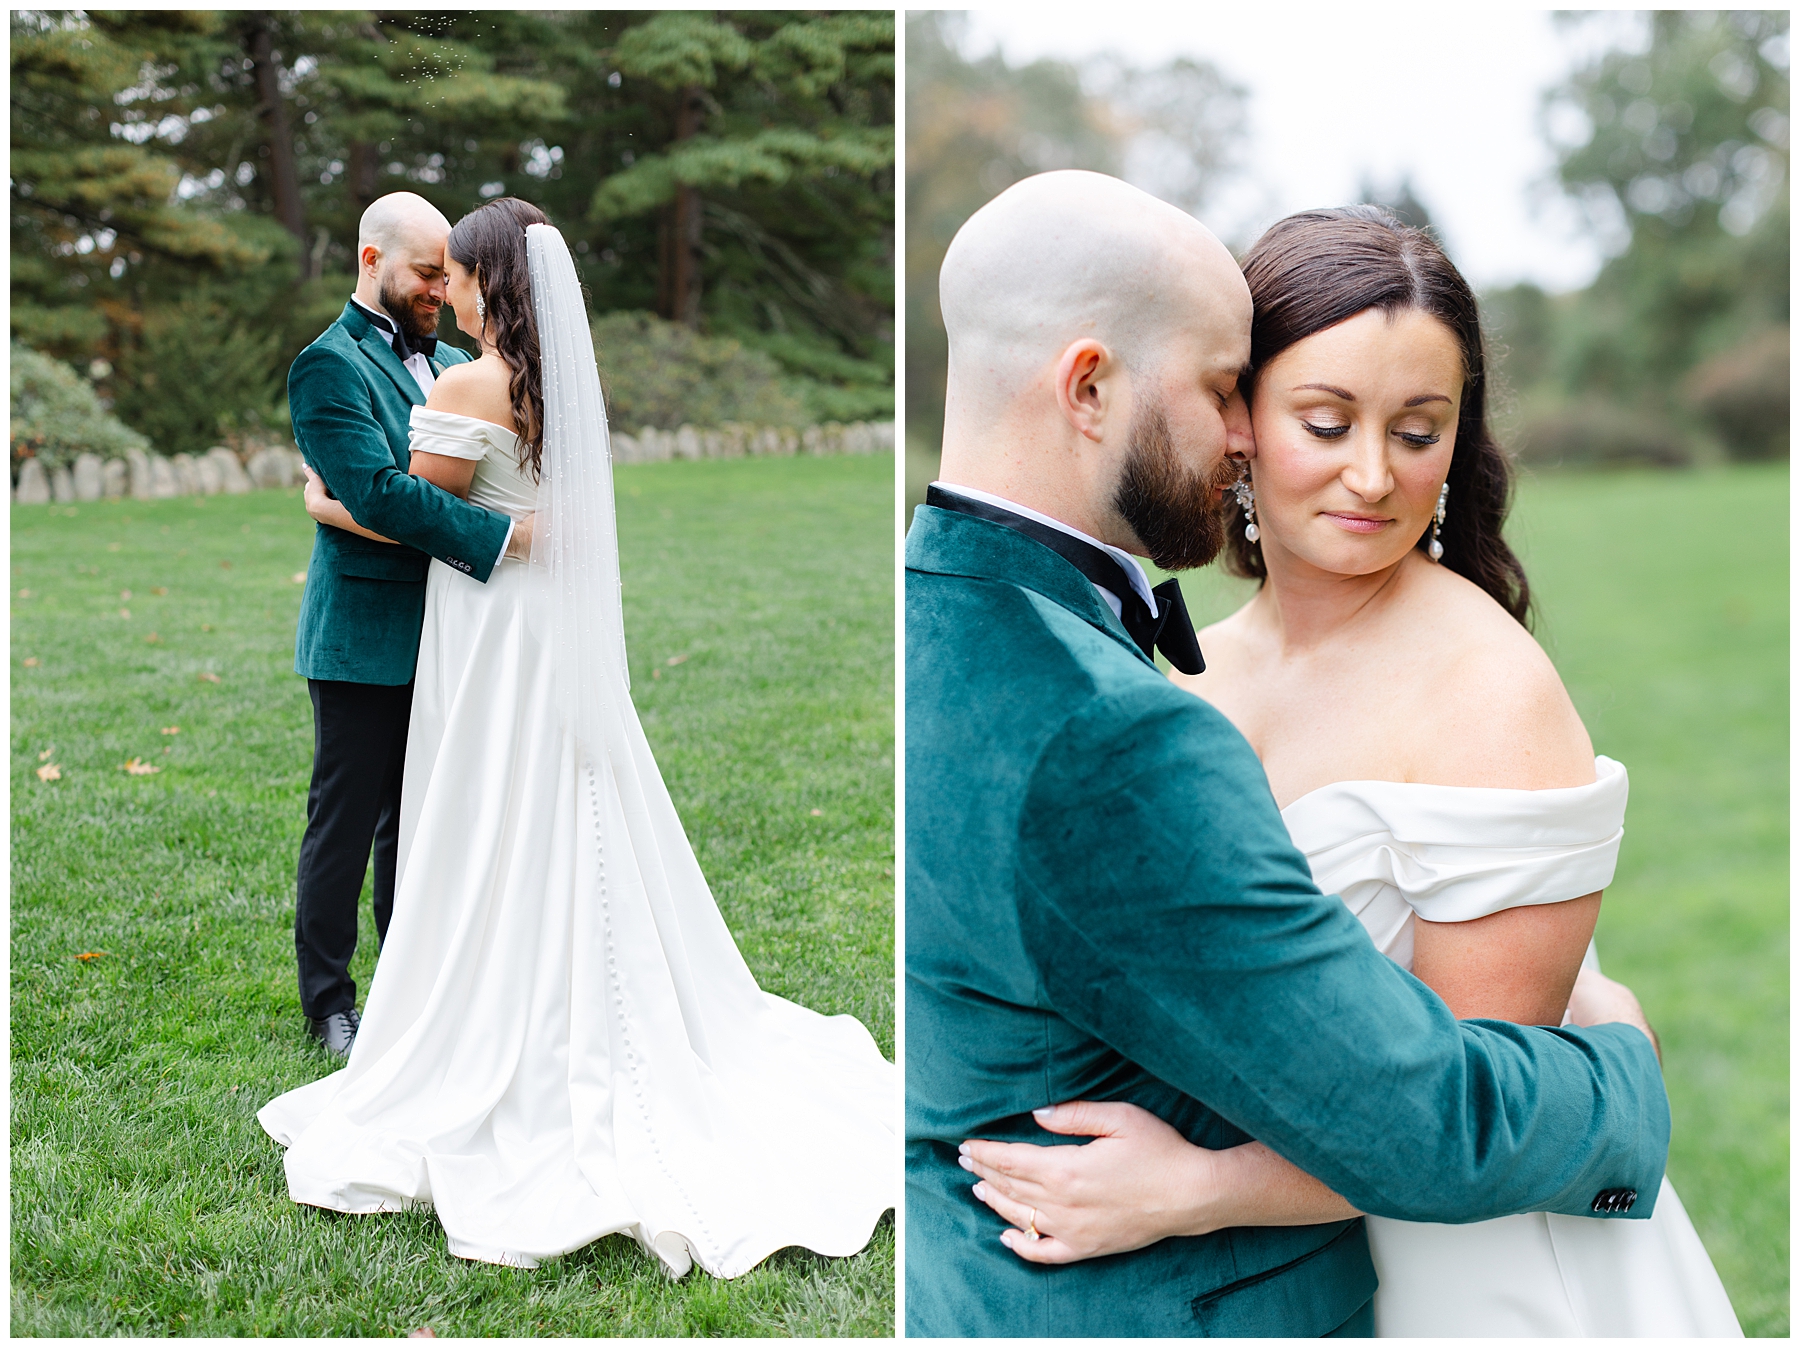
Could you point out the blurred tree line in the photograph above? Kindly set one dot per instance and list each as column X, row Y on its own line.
column 186, row 187
column 1677, row 352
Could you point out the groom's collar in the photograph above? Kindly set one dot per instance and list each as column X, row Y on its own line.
column 946, row 543
column 1134, row 573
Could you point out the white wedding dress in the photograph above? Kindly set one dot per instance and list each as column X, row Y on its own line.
column 1394, row 850
column 561, row 1040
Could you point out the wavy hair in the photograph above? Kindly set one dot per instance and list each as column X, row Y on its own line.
column 490, row 242
column 1312, row 271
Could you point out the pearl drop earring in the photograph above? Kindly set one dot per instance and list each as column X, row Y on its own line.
column 1246, row 498
column 1436, row 550
column 480, row 312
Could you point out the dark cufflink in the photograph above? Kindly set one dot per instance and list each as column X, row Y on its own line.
column 1614, row 1201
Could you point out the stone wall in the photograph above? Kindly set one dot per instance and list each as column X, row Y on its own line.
column 737, row 441
column 149, row 477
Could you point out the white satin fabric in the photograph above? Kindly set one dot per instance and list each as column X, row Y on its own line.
column 1396, row 850
column 561, row 1040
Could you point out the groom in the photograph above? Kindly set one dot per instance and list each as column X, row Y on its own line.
column 351, row 394
column 1102, row 901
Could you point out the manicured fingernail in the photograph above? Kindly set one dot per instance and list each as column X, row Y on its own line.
column 963, row 1149
column 1006, row 1239
column 980, row 1191
column 1044, row 1112
column 965, row 1163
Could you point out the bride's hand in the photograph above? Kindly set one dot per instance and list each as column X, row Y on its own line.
column 328, row 509
column 1138, row 1182
column 1597, row 1000
column 318, row 503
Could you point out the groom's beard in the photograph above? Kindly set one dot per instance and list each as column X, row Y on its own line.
column 1173, row 509
column 415, row 315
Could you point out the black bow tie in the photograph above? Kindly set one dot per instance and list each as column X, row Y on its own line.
column 1171, row 631
column 425, row 346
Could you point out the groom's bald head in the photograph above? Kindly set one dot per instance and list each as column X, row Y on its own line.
column 1067, row 255
column 1095, row 332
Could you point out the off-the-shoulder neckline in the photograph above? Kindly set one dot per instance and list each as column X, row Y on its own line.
column 1600, row 778
column 461, row 416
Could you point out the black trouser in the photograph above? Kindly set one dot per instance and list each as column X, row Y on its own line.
column 359, row 753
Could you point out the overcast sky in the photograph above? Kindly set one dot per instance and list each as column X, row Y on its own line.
column 1447, row 95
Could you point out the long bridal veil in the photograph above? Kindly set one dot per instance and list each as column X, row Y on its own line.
column 576, row 538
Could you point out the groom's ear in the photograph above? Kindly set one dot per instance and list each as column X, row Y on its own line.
column 1087, row 385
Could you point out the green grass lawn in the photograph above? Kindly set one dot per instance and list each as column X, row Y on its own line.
column 1663, row 599
column 145, row 1197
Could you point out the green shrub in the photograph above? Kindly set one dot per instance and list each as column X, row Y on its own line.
column 1596, row 432
column 197, row 374
column 56, row 415
column 1743, row 394
column 663, row 374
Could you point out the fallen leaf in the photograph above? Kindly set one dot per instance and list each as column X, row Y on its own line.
column 24, row 594
column 31, row 662
column 124, row 613
column 138, row 768
column 816, row 814
column 675, row 660
column 88, row 956
column 299, row 577
column 160, row 589
column 656, row 673
column 153, row 640
column 206, row 627
column 225, row 563
column 44, row 757
column 49, row 773
column 171, row 730
column 209, row 676
column 124, row 596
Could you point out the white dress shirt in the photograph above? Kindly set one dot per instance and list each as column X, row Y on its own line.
column 1133, row 571
column 420, row 369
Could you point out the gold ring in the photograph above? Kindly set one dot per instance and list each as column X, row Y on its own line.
column 1031, row 1231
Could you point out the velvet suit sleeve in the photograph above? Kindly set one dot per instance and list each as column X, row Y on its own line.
column 340, row 438
column 1168, row 914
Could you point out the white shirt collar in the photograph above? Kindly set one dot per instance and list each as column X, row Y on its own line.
column 1133, row 571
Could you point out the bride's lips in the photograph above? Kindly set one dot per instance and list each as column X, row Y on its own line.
column 1358, row 524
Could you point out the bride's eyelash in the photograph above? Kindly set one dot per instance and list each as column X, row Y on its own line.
column 1338, row 432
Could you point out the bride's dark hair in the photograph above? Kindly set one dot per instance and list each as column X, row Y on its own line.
column 1318, row 268
column 490, row 242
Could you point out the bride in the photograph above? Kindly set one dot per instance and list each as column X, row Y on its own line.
column 562, row 1040
column 1429, row 764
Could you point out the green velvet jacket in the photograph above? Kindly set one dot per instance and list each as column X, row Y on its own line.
column 1102, row 903
column 351, row 400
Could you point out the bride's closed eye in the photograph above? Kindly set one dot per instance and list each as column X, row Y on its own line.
column 1325, row 432
column 1418, row 441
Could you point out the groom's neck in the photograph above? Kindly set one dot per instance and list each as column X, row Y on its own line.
column 1062, row 480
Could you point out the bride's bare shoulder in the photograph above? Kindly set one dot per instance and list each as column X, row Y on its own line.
column 1226, row 647
column 475, row 388
column 1500, row 715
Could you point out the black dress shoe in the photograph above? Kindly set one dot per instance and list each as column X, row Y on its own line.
column 336, row 1031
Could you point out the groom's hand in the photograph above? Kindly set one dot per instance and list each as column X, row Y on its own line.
column 518, row 546
column 1138, row 1182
